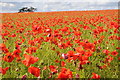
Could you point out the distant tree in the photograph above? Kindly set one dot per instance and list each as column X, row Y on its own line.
column 27, row 9
column 31, row 9
column 24, row 9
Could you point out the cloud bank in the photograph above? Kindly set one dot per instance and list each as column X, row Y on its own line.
column 3, row 4
column 58, row 5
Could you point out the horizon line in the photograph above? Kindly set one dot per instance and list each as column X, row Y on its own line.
column 61, row 11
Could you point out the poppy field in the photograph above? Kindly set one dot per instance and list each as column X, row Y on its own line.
column 66, row 44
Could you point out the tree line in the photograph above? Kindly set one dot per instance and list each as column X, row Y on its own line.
column 27, row 9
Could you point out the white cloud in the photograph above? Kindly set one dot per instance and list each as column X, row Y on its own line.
column 62, row 6
column 61, row 0
column 58, row 5
column 11, row 5
column 6, row 4
column 45, row 7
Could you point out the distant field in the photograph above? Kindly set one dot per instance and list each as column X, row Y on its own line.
column 68, row 44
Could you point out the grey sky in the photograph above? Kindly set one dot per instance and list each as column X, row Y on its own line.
column 57, row 5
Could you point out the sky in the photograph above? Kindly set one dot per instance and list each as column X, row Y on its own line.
column 12, row 6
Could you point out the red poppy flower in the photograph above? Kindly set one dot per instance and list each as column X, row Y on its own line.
column 106, row 51
column 71, row 55
column 118, row 58
column 84, row 60
column 77, row 33
column 109, row 59
column 114, row 53
column 118, row 48
column 9, row 57
column 13, row 35
column 3, row 70
column 57, row 61
column 29, row 60
column 34, row 71
column 18, row 59
column 79, row 49
column 53, row 69
column 37, row 29
column 64, row 29
column 31, row 42
column 45, row 67
column 63, row 63
column 17, row 46
column 87, row 45
column 2, row 46
column 102, row 67
column 31, row 50
column 86, row 27
column 24, row 77
column 5, row 50
column 68, row 44
column 65, row 73
column 88, row 54
column 16, row 53
column 95, row 76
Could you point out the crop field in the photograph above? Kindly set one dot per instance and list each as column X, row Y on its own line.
column 66, row 44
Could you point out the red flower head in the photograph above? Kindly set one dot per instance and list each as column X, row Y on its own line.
column 9, row 57
column 13, row 35
column 95, row 76
column 79, row 49
column 31, row 50
column 77, row 33
column 5, row 50
column 114, row 53
column 63, row 63
column 106, row 51
column 84, row 60
column 16, row 53
column 53, row 69
column 70, row 53
column 29, row 60
column 37, row 28
column 89, row 46
column 17, row 46
column 65, row 73
column 2, row 46
column 34, row 71
column 88, row 54
column 86, row 27
column 31, row 42
column 109, row 59
column 3, row 70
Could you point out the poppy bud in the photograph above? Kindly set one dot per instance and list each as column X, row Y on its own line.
column 77, row 76
column 24, row 77
column 64, row 56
